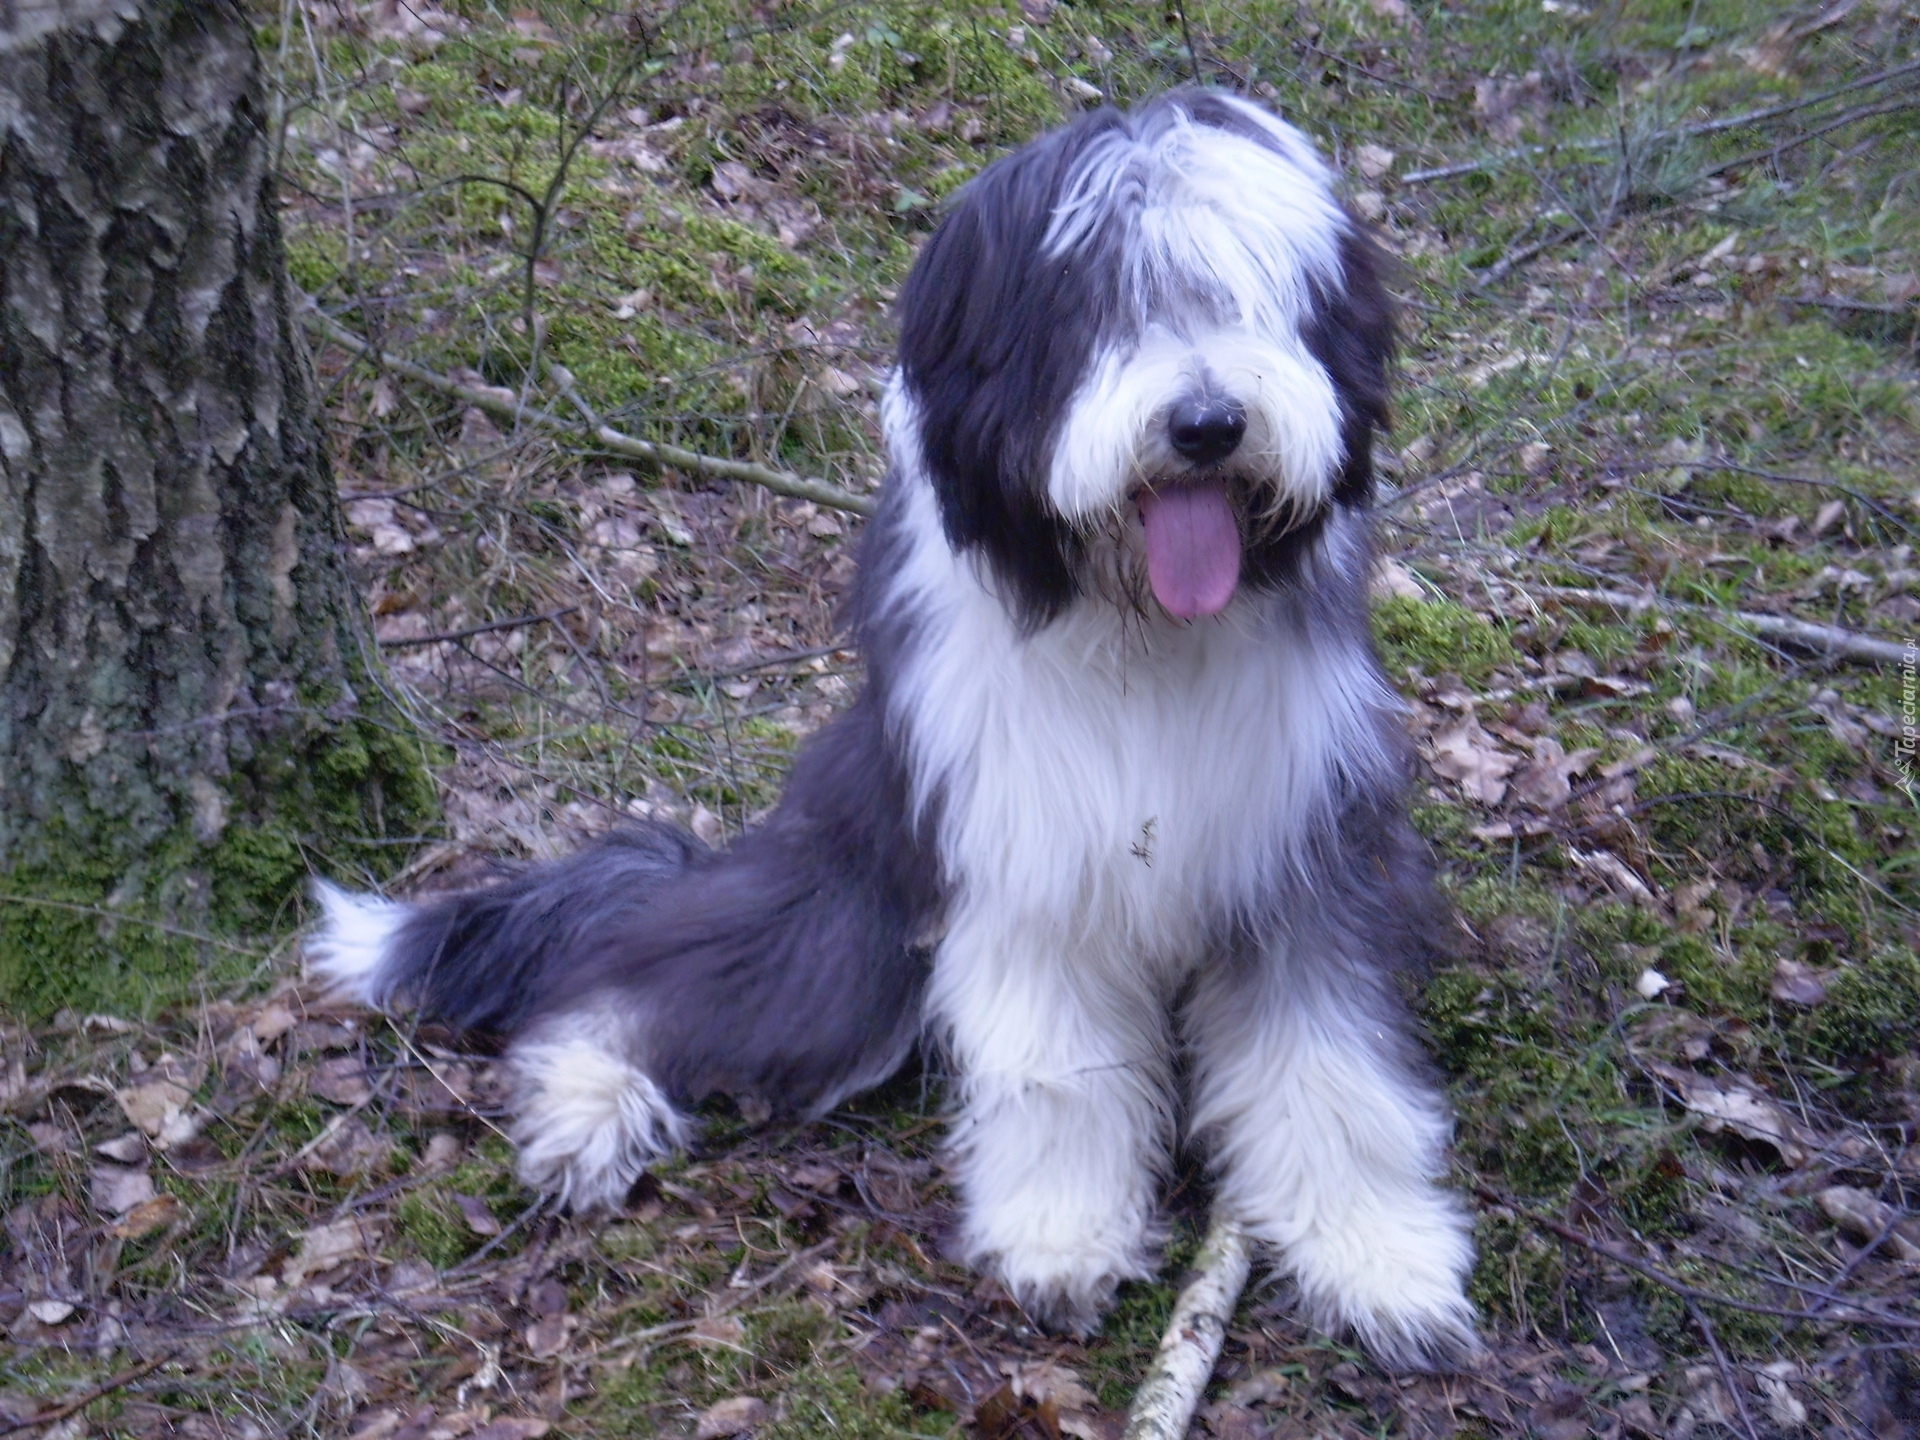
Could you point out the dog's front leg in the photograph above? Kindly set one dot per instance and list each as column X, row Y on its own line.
column 1329, row 1143
column 1064, row 1123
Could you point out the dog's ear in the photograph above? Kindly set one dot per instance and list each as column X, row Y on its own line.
column 994, row 340
column 1351, row 334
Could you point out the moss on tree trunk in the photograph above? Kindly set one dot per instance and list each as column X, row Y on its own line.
column 190, row 705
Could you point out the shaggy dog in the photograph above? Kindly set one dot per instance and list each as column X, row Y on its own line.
column 1118, row 813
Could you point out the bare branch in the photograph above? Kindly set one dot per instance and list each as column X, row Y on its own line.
column 503, row 405
column 1829, row 640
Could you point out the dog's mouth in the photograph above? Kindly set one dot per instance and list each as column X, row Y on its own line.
column 1193, row 538
column 1193, row 546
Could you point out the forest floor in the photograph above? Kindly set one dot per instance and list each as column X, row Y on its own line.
column 1660, row 262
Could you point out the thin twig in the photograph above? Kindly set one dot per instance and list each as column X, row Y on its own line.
column 1859, row 497
column 1829, row 640
column 404, row 641
column 1680, row 132
column 86, row 1397
column 1727, row 1377
column 1856, row 1314
column 1772, row 152
column 505, row 406
column 1506, row 264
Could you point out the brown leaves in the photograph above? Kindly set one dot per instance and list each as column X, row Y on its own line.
column 427, row 1423
column 1043, row 1398
column 348, row 1147
column 1467, row 755
column 342, row 1079
column 1545, row 782
column 156, row 1213
column 325, row 1247
column 1795, row 984
column 1869, row 1219
column 737, row 1415
column 1739, row 1105
column 119, row 1188
column 552, row 1326
column 480, row 1220
column 157, row 1096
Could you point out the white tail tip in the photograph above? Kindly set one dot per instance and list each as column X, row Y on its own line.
column 349, row 951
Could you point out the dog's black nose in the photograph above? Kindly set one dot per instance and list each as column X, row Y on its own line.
column 1206, row 431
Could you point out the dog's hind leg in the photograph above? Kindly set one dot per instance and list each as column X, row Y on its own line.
column 1064, row 1123
column 587, row 1118
column 1328, row 1138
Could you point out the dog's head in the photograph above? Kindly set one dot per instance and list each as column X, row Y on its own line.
column 1150, row 348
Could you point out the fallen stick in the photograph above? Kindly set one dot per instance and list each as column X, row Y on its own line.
column 505, row 405
column 85, row 1397
column 1830, row 640
column 1163, row 1406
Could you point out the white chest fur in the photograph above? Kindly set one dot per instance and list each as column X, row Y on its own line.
column 1113, row 784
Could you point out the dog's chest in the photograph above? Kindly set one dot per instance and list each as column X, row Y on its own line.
column 1120, row 784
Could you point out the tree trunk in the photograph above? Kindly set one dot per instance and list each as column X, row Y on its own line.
column 190, row 711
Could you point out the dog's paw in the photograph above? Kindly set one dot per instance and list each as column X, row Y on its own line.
column 589, row 1121
column 1394, row 1278
column 1063, row 1278
column 1065, row 1292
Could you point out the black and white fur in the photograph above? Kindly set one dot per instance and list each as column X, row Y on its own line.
column 1065, row 834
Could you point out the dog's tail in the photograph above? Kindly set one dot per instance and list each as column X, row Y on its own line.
column 647, row 971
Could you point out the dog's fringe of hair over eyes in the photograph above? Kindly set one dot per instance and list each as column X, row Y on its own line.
column 1055, row 808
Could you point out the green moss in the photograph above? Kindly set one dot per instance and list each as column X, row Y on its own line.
column 1872, row 1009
column 1132, row 1329
column 832, row 1402
column 94, row 922
column 434, row 1227
column 1438, row 636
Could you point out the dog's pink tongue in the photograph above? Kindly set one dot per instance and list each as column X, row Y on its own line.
column 1193, row 548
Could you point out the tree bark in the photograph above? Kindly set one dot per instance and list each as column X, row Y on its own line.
column 190, row 711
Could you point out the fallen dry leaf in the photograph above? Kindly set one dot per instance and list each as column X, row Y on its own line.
column 444, row 1150
column 127, row 1149
column 719, row 1330
column 480, row 1220
column 1049, row 1382
column 148, row 1216
column 349, row 1148
column 51, row 1139
column 1545, row 781
column 1392, row 579
column 814, row 1177
column 549, row 1297
column 1614, row 872
column 376, row 1424
column 1866, row 1218
column 325, row 1246
column 343, row 1080
column 737, row 1415
column 1738, row 1105
column 548, row 1336
column 512, row 1427
column 118, row 1189
column 1374, row 160
column 1794, row 984
column 157, row 1098
column 1464, row 753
